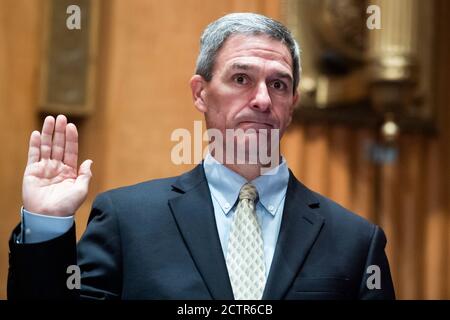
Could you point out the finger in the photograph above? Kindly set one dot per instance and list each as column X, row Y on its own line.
column 34, row 150
column 46, row 137
column 84, row 174
column 59, row 138
column 71, row 146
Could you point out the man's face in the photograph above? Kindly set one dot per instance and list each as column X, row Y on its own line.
column 251, row 86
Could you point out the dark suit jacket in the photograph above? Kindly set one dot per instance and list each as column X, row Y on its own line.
column 158, row 240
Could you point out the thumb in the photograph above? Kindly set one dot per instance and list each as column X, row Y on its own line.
column 84, row 174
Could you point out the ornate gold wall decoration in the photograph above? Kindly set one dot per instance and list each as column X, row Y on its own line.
column 68, row 69
column 366, row 77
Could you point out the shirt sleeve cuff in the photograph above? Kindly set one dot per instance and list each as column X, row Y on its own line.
column 39, row 228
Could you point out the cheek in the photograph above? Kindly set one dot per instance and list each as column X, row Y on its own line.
column 283, row 112
column 216, row 116
column 227, row 106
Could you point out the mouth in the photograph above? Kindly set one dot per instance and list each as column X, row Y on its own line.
column 256, row 124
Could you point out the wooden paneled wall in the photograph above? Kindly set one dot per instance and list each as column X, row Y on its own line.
column 408, row 198
column 147, row 55
column 19, row 58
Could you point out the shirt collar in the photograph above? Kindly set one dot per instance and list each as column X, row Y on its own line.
column 225, row 184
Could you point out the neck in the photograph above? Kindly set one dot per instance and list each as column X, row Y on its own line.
column 248, row 171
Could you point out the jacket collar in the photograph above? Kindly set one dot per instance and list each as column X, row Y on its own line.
column 194, row 214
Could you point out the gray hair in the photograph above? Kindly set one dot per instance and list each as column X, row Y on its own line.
column 220, row 30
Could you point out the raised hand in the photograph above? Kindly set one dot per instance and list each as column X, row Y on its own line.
column 52, row 184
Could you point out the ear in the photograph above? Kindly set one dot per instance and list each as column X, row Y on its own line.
column 198, row 85
column 294, row 103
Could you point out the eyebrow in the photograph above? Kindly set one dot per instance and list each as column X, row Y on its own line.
column 243, row 66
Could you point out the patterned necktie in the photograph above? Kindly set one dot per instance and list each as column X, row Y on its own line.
column 245, row 256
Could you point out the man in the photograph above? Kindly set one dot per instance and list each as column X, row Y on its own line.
column 227, row 229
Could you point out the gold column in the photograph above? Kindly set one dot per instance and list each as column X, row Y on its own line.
column 392, row 59
column 392, row 63
column 393, row 48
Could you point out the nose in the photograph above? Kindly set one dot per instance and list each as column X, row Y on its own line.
column 261, row 100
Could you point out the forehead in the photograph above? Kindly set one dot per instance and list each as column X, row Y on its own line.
column 254, row 48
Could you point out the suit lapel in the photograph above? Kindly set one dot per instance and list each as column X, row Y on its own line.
column 299, row 229
column 194, row 214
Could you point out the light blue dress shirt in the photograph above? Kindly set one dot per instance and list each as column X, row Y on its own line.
column 225, row 185
column 38, row 228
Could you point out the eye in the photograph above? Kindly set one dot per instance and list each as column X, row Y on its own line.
column 279, row 85
column 241, row 79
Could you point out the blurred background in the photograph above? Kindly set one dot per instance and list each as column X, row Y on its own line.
column 372, row 130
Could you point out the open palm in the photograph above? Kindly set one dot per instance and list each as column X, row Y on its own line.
column 52, row 185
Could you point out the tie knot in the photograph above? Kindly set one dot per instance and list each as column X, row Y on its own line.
column 248, row 191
